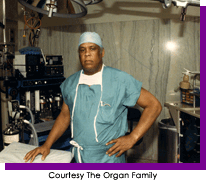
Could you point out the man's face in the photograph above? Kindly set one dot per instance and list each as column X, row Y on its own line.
column 90, row 57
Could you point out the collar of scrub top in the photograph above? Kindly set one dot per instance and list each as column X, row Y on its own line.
column 91, row 79
column 88, row 80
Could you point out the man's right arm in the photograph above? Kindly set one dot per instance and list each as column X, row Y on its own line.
column 60, row 125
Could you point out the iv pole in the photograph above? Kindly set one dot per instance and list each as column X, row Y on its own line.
column 5, row 50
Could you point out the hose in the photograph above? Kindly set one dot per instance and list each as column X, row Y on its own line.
column 36, row 142
column 33, row 25
column 31, row 114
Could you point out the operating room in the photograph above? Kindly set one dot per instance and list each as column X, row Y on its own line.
column 157, row 42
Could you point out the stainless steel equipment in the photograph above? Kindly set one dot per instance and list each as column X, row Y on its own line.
column 167, row 142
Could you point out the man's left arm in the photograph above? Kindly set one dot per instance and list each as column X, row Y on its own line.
column 152, row 109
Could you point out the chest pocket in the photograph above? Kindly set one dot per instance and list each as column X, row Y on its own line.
column 106, row 112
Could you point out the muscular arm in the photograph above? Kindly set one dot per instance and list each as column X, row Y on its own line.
column 152, row 109
column 60, row 125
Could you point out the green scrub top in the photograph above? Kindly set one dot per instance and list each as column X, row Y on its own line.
column 119, row 90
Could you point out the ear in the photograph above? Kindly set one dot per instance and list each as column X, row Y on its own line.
column 103, row 52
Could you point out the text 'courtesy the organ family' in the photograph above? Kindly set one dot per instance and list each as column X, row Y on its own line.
column 105, row 175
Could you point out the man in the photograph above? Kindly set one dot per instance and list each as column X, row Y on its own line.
column 95, row 103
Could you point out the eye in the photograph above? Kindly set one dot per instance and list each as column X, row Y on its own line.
column 93, row 48
column 81, row 49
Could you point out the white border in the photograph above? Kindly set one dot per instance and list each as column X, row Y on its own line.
column 202, row 3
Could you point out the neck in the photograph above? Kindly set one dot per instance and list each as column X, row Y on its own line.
column 92, row 72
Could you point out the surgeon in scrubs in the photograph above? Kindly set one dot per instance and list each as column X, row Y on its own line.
column 95, row 105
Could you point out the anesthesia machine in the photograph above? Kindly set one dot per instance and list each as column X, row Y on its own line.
column 35, row 98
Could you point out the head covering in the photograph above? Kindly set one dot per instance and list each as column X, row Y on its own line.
column 90, row 37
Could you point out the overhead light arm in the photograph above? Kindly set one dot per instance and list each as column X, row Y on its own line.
column 59, row 8
column 180, row 3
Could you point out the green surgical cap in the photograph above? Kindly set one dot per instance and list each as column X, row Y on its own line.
column 90, row 37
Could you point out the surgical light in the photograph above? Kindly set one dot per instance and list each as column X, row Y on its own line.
column 180, row 3
column 59, row 8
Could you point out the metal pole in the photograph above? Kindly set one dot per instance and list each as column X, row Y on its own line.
column 1, row 129
column 4, row 21
column 4, row 38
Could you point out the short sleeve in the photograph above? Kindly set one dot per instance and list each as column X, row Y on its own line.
column 68, row 88
column 132, row 90
column 62, row 89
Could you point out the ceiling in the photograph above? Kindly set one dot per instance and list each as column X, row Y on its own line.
column 119, row 10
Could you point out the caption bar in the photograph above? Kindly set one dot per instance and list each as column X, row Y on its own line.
column 104, row 175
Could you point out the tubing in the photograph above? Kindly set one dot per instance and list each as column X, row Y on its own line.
column 32, row 116
column 36, row 142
